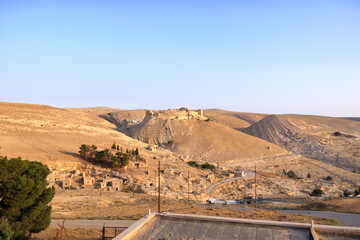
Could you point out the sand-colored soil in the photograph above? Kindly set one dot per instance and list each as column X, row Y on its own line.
column 313, row 137
column 70, row 234
column 235, row 120
column 82, row 204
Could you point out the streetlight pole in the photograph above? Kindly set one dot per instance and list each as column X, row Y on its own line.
column 159, row 185
column 255, row 190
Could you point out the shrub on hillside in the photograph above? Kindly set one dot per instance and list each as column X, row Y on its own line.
column 203, row 166
column 317, row 193
column 208, row 166
column 290, row 174
column 329, row 178
column 193, row 163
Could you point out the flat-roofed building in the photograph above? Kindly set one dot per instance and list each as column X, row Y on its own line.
column 174, row 226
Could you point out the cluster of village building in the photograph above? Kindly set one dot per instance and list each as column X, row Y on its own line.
column 94, row 177
column 91, row 177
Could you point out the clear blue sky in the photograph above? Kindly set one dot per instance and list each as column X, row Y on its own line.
column 257, row 56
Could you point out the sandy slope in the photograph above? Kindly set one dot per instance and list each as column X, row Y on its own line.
column 95, row 110
column 236, row 120
column 313, row 137
column 53, row 135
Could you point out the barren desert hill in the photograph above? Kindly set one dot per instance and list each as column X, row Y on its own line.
column 198, row 137
column 95, row 110
column 352, row 118
column 53, row 135
column 232, row 118
column 332, row 140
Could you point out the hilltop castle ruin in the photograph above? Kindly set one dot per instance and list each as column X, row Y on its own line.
column 180, row 114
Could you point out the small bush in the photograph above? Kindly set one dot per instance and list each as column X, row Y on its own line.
column 346, row 193
column 308, row 175
column 329, row 178
column 292, row 174
column 317, row 193
column 208, row 166
column 203, row 166
column 193, row 163
column 357, row 192
column 337, row 134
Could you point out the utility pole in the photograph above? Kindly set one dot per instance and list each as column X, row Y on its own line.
column 159, row 185
column 188, row 186
column 255, row 190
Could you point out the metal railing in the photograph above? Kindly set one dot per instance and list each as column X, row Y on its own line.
column 111, row 232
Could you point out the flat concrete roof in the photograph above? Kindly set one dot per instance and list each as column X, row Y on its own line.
column 172, row 228
column 190, row 227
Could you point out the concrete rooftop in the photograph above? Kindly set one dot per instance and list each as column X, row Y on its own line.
column 194, row 227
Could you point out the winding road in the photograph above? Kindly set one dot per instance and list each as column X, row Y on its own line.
column 345, row 219
column 249, row 174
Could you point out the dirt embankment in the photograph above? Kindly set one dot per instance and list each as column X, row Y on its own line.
column 332, row 140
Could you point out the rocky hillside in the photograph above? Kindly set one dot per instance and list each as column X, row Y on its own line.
column 332, row 140
column 197, row 138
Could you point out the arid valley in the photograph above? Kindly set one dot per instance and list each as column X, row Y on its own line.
column 202, row 154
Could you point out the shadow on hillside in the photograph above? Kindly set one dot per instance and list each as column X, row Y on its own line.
column 70, row 153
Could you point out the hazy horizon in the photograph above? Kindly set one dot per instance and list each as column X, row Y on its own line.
column 268, row 57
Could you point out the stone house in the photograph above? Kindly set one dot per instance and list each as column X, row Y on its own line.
column 116, row 185
column 67, row 182
column 103, row 185
column 88, row 181
column 137, row 164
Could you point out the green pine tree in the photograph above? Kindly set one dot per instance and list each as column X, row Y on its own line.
column 24, row 196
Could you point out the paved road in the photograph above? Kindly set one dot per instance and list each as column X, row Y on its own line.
column 344, row 219
column 91, row 224
column 249, row 174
